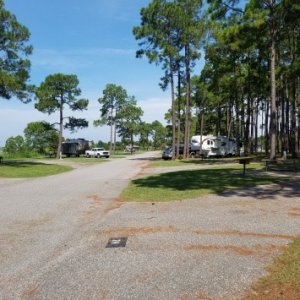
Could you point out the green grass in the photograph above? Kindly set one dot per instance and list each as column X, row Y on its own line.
column 283, row 279
column 194, row 183
column 84, row 160
column 21, row 168
column 197, row 161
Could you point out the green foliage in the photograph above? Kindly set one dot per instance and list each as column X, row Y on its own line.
column 170, row 34
column 158, row 135
column 129, row 119
column 14, row 145
column 112, row 102
column 17, row 147
column 14, row 49
column 41, row 137
column 76, row 123
column 145, row 130
column 56, row 92
column 113, row 99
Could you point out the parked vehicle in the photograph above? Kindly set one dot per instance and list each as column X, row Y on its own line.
column 75, row 147
column 167, row 153
column 213, row 146
column 131, row 149
column 97, row 152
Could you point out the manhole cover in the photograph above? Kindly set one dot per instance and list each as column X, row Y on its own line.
column 116, row 242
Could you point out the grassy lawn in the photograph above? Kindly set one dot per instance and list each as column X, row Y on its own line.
column 84, row 160
column 283, row 279
column 196, row 161
column 23, row 168
column 194, row 183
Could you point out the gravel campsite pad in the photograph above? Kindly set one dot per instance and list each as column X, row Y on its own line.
column 208, row 248
column 212, row 247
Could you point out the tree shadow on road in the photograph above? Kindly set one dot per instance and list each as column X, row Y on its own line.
column 285, row 188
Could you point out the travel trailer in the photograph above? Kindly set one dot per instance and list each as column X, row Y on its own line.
column 213, row 146
column 75, row 147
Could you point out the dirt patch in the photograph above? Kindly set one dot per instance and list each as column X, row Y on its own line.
column 115, row 205
column 94, row 198
column 95, row 202
column 241, row 233
column 30, row 292
column 199, row 296
column 257, row 250
column 143, row 172
column 295, row 212
column 127, row 231
column 284, row 292
column 31, row 224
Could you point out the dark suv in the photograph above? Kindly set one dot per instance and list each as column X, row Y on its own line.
column 167, row 153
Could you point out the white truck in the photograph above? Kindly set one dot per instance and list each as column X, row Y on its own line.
column 97, row 152
column 213, row 146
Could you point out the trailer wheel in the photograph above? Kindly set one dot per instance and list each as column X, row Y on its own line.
column 192, row 155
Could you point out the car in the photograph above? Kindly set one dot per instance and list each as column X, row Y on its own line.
column 167, row 153
column 97, row 152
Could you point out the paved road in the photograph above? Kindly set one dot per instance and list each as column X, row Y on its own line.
column 54, row 231
column 45, row 221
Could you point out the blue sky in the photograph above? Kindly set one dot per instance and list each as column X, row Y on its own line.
column 92, row 39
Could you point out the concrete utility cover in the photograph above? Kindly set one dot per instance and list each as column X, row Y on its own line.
column 116, row 242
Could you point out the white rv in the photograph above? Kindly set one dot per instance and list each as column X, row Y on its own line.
column 213, row 146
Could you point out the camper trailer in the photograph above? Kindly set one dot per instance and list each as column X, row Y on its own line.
column 213, row 146
column 75, row 147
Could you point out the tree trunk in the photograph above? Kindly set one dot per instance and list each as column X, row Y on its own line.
column 115, row 136
column 297, row 96
column 111, row 129
column 173, row 111
column 282, row 123
column 287, row 118
column 178, row 109
column 267, row 128
column 229, row 120
column 187, row 108
column 273, row 100
column 256, row 126
column 247, row 128
column 61, row 128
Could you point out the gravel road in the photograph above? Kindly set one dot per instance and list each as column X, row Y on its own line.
column 54, row 232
